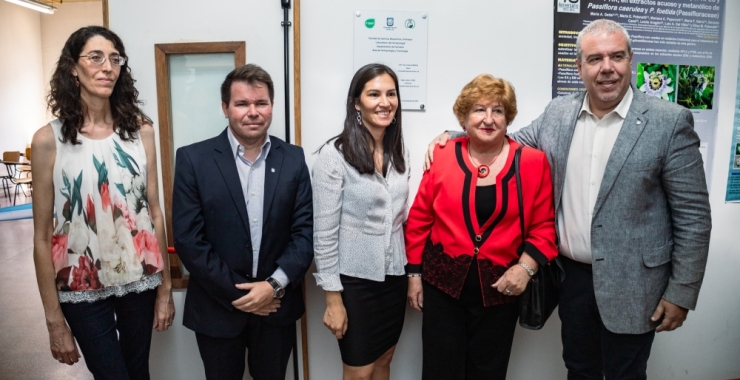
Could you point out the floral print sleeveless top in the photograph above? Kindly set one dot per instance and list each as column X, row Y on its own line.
column 104, row 242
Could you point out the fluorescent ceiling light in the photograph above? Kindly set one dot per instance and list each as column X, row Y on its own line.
column 36, row 6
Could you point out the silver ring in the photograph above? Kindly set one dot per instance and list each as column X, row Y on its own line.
column 507, row 291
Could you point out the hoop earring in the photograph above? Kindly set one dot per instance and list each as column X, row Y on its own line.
column 359, row 117
column 394, row 121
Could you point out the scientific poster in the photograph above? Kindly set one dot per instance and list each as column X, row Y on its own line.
column 733, row 177
column 677, row 50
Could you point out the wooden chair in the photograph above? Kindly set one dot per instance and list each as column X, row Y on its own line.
column 25, row 169
column 19, row 182
column 13, row 177
column 5, row 178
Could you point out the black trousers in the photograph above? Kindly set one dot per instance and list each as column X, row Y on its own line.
column 463, row 341
column 268, row 350
column 590, row 351
column 114, row 334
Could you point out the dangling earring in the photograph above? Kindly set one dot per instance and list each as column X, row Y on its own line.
column 359, row 118
column 77, row 82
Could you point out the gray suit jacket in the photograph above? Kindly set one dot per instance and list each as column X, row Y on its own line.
column 651, row 222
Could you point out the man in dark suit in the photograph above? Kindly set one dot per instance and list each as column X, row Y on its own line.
column 633, row 216
column 243, row 226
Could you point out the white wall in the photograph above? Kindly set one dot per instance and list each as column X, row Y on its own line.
column 30, row 44
column 56, row 28
column 466, row 37
column 513, row 41
column 21, row 77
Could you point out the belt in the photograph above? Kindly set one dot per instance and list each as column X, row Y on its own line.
column 577, row 264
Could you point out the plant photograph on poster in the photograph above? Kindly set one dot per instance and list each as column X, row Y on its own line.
column 657, row 79
column 696, row 87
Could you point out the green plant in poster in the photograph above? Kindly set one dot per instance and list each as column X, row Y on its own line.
column 657, row 79
column 696, row 87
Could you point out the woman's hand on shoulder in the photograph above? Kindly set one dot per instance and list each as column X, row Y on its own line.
column 62, row 343
column 440, row 140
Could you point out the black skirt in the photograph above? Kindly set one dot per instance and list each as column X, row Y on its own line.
column 375, row 313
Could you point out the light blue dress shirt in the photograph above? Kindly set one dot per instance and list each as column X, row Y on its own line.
column 252, row 178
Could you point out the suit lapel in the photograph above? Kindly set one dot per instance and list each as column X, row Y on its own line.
column 273, row 164
column 632, row 128
column 564, row 140
column 226, row 163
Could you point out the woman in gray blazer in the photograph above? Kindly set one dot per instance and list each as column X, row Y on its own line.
column 360, row 183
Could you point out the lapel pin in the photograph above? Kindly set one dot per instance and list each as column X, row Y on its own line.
column 639, row 122
column 272, row 170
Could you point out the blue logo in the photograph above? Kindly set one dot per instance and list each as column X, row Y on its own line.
column 389, row 21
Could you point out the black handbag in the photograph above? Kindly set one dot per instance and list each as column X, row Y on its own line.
column 540, row 298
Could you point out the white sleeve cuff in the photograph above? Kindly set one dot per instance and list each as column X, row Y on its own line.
column 281, row 277
column 329, row 282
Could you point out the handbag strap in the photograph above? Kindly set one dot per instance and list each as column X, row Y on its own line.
column 518, row 154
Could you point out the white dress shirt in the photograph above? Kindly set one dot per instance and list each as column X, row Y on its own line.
column 358, row 220
column 592, row 143
column 252, row 178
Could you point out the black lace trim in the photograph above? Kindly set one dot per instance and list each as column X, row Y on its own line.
column 448, row 274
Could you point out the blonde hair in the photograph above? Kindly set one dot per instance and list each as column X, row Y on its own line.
column 485, row 86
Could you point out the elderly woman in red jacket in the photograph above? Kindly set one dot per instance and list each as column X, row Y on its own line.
column 463, row 238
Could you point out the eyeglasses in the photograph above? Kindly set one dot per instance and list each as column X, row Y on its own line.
column 99, row 58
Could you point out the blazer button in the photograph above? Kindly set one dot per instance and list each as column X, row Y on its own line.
column 475, row 251
column 478, row 238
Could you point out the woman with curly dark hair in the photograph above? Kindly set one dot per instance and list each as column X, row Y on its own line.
column 101, row 261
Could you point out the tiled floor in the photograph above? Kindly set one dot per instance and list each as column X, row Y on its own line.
column 24, row 341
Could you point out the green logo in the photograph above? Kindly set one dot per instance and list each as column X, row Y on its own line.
column 369, row 23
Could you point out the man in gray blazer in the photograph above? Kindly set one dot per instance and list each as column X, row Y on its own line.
column 633, row 215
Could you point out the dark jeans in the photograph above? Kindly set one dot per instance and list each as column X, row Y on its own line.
column 114, row 334
column 269, row 349
column 590, row 351
column 465, row 341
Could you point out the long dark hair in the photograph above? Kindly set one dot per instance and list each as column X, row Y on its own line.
column 64, row 99
column 355, row 142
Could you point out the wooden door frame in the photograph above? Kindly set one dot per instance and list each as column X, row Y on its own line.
column 166, row 149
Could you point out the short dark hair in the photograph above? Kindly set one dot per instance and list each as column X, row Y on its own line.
column 249, row 73
column 355, row 140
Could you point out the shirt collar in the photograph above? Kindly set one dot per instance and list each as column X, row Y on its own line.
column 264, row 149
column 622, row 108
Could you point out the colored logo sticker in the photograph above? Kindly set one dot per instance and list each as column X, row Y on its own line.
column 369, row 23
column 389, row 21
column 569, row 6
column 410, row 24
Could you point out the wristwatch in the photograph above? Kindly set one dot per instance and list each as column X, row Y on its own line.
column 277, row 290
